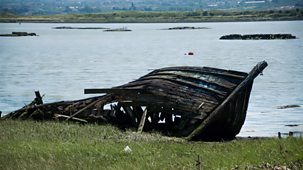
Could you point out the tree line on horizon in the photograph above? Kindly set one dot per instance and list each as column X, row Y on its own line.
column 48, row 7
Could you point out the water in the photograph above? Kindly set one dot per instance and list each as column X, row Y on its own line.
column 61, row 63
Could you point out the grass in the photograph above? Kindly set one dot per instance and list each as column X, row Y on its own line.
column 52, row 145
column 150, row 17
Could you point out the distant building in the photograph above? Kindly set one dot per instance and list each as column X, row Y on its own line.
column 132, row 7
column 254, row 2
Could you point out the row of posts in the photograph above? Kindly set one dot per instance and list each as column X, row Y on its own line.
column 290, row 134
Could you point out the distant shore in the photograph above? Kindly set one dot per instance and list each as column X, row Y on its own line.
column 159, row 17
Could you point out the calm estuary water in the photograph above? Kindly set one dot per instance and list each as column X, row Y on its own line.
column 61, row 63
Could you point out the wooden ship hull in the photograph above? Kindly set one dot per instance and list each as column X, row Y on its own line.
column 198, row 103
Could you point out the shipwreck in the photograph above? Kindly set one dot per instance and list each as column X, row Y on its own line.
column 197, row 103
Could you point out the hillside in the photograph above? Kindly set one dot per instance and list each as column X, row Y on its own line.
column 46, row 7
column 161, row 17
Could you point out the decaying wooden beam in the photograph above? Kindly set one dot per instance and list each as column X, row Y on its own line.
column 130, row 113
column 142, row 122
column 104, row 99
column 83, row 109
column 38, row 98
column 219, row 110
column 138, row 111
column 111, row 90
column 214, row 80
column 68, row 117
column 18, row 112
column 204, row 70
column 184, row 82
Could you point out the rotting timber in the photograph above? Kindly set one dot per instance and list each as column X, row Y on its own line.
column 198, row 103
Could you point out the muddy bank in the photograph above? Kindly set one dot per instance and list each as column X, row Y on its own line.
column 81, row 28
column 18, row 34
column 257, row 36
column 186, row 28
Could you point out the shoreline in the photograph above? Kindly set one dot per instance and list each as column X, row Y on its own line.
column 159, row 17
column 155, row 22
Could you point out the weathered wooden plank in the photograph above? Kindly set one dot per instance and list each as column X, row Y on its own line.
column 170, row 97
column 142, row 121
column 187, row 102
column 205, row 70
column 237, row 125
column 195, row 81
column 130, row 113
column 173, row 86
column 215, row 80
column 112, row 90
column 167, row 86
column 73, row 118
column 234, row 114
column 171, row 91
column 17, row 113
column 81, row 110
column 38, row 98
column 234, row 72
column 146, row 100
column 219, row 110
column 105, row 99
column 138, row 111
column 153, row 97
column 186, row 83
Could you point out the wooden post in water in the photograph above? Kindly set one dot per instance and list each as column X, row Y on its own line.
column 250, row 77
